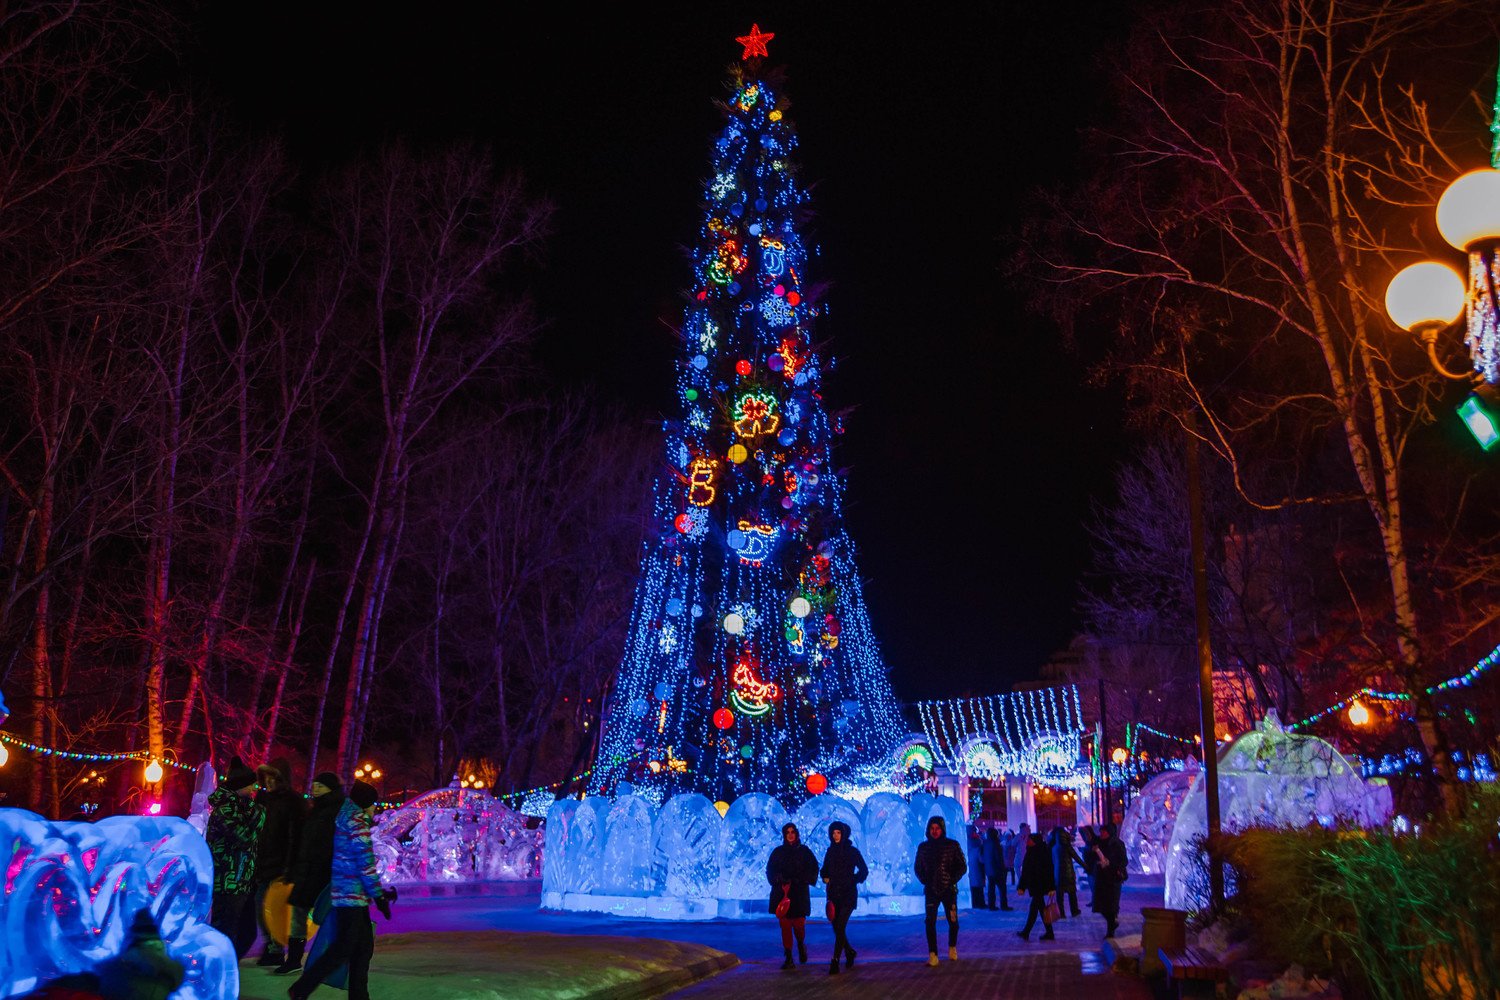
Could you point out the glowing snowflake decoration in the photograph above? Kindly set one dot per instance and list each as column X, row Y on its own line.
column 698, row 419
column 708, row 338
column 776, row 311
column 721, row 186
column 697, row 522
column 668, row 640
column 748, row 615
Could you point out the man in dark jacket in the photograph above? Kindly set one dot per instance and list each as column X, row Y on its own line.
column 312, row 866
column 232, row 834
column 997, row 873
column 1109, row 876
column 940, row 865
column 843, row 870
column 277, row 845
column 790, row 870
column 1037, row 881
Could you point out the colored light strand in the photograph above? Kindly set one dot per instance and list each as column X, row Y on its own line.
column 91, row 758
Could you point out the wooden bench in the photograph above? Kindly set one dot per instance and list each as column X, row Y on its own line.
column 1192, row 964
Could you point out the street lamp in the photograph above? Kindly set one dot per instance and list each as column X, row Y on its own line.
column 1358, row 714
column 1429, row 297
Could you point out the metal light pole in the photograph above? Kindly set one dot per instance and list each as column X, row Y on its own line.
column 1206, row 722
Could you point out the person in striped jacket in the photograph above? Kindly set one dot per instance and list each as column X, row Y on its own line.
column 354, row 888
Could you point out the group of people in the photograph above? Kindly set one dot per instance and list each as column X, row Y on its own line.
column 1047, row 874
column 260, row 830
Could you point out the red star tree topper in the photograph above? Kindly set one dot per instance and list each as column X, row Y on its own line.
column 755, row 42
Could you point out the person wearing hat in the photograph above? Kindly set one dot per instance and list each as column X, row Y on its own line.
column 312, row 866
column 233, row 833
column 277, row 844
column 355, row 886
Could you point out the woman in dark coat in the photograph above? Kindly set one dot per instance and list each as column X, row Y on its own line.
column 1109, row 876
column 312, row 866
column 790, row 870
column 843, row 870
column 1064, row 857
column 1036, row 881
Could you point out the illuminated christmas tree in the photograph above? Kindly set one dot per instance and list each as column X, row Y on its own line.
column 750, row 663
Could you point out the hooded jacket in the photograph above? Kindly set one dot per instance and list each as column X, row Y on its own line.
column 232, row 832
column 1036, row 876
column 940, row 861
column 843, row 869
column 794, row 865
column 355, row 881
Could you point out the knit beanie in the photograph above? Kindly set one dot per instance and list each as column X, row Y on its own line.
column 330, row 780
column 363, row 794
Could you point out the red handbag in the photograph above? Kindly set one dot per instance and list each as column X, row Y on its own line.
column 828, row 910
column 785, row 906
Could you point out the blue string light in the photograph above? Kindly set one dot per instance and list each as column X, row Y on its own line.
column 91, row 758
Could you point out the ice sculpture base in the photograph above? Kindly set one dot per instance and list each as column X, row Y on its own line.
column 623, row 857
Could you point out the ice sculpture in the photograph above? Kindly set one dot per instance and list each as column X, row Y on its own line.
column 626, row 868
column 752, row 829
column 203, row 786
column 455, row 835
column 1271, row 778
column 73, row 889
column 701, row 866
column 686, row 847
column 1147, row 829
column 888, row 846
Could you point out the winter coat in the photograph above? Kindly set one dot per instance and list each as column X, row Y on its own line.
column 1023, row 844
column 940, row 862
column 355, row 881
column 233, row 831
column 1008, row 850
column 1036, row 872
column 1063, row 859
column 313, row 866
column 1108, row 878
column 994, row 853
column 976, row 854
column 843, row 869
column 277, row 847
column 792, row 864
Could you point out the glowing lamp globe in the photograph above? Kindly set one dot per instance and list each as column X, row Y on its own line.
column 1119, row 755
column 153, row 772
column 1425, row 294
column 1358, row 714
column 4, row 755
column 1469, row 211
column 800, row 607
column 723, row 718
column 816, row 784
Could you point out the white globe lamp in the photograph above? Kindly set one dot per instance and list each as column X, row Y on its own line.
column 1468, row 213
column 1425, row 295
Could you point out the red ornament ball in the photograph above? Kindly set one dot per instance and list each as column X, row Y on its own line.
column 816, row 784
column 792, row 298
column 742, row 366
column 723, row 718
column 683, row 523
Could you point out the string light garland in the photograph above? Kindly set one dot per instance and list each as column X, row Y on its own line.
column 90, row 758
column 1032, row 733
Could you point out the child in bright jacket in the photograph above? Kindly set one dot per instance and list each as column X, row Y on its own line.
column 354, row 887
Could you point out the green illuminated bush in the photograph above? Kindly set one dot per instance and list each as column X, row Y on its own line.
column 1393, row 918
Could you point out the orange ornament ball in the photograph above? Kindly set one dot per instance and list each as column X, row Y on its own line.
column 816, row 784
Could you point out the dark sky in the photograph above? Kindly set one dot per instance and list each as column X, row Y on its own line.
column 975, row 450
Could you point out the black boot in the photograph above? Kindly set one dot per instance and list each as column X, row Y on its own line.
column 848, row 957
column 788, row 964
column 1049, row 936
column 802, row 952
column 270, row 955
column 833, row 967
column 293, row 961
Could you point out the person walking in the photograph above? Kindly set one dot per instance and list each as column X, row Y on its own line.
column 355, row 886
column 312, row 867
column 843, row 870
column 1023, row 842
column 995, row 868
column 1008, row 846
column 1109, row 876
column 1037, row 882
column 977, row 873
column 939, row 866
column 790, row 870
column 1064, row 857
column 233, row 832
column 277, row 845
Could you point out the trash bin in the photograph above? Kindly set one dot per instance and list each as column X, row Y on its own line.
column 1161, row 928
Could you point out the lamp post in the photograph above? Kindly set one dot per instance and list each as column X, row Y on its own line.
column 1428, row 298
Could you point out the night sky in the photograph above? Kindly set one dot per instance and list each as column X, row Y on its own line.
column 975, row 450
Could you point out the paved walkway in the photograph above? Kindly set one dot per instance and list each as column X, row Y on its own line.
column 993, row 962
